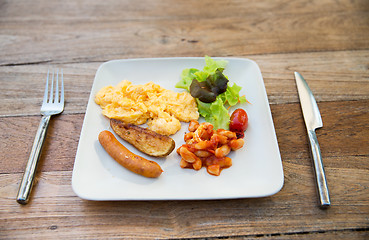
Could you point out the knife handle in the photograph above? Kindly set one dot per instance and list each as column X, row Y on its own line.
column 319, row 170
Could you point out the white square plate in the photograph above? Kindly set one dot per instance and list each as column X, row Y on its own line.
column 257, row 167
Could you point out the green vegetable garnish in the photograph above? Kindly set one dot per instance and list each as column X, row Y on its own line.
column 186, row 78
column 207, row 91
column 232, row 95
column 212, row 92
column 214, row 113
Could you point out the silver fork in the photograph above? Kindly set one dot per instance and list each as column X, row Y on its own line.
column 53, row 103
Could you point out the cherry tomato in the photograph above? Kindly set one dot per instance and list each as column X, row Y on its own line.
column 239, row 121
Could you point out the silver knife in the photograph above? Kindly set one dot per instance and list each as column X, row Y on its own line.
column 313, row 121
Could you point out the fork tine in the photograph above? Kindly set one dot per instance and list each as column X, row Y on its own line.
column 55, row 95
column 62, row 87
column 57, row 87
column 46, row 87
column 51, row 99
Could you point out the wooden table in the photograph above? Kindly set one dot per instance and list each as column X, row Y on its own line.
column 327, row 41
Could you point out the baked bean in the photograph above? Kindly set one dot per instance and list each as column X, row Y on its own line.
column 226, row 162
column 202, row 154
column 188, row 136
column 236, row 144
column 228, row 134
column 184, row 164
column 223, row 162
column 187, row 155
column 197, row 165
column 222, row 151
column 219, row 139
column 208, row 147
column 203, row 145
column 193, row 125
column 203, row 132
column 214, row 169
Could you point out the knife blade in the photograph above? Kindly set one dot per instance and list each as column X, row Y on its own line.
column 313, row 120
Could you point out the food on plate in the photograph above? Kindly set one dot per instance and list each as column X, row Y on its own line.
column 213, row 91
column 239, row 122
column 145, row 140
column 208, row 90
column 208, row 147
column 126, row 158
column 160, row 108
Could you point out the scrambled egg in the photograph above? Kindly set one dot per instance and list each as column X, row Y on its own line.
column 160, row 108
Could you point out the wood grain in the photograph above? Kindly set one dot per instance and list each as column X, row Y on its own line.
column 326, row 41
column 55, row 207
column 332, row 76
column 66, row 32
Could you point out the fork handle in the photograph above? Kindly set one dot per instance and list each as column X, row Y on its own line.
column 30, row 171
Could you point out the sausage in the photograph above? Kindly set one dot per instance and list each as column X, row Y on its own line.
column 126, row 158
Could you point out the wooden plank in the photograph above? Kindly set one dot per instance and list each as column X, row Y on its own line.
column 342, row 135
column 148, row 10
column 23, row 87
column 334, row 234
column 59, row 148
column 60, row 33
column 332, row 76
column 55, row 211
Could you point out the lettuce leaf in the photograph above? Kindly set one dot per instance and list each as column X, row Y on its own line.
column 232, row 95
column 211, row 65
column 219, row 115
column 201, row 76
column 214, row 112
column 186, row 78
column 204, row 109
